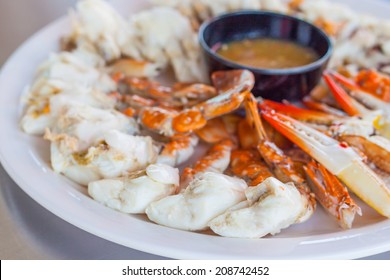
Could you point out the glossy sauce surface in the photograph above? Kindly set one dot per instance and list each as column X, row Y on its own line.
column 268, row 53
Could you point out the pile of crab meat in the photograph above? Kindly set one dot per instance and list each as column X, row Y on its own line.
column 360, row 41
column 185, row 154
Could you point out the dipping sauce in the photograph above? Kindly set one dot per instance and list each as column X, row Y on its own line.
column 268, row 53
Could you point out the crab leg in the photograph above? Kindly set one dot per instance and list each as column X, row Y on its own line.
column 305, row 115
column 247, row 164
column 179, row 95
column 370, row 100
column 358, row 100
column 331, row 194
column 279, row 163
column 217, row 159
column 338, row 158
column 233, row 87
column 347, row 103
column 218, row 129
column 378, row 114
column 356, row 132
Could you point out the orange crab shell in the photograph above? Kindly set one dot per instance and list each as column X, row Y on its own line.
column 374, row 83
column 188, row 121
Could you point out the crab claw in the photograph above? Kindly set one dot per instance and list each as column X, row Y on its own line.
column 348, row 83
column 332, row 194
column 347, row 103
column 301, row 114
column 232, row 87
column 338, row 158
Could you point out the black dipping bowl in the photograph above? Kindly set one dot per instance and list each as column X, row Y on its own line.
column 276, row 84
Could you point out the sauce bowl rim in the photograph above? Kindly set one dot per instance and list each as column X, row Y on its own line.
column 283, row 71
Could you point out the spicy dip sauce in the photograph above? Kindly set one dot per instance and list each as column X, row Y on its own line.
column 267, row 53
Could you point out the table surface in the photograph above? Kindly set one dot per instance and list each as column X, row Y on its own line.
column 27, row 230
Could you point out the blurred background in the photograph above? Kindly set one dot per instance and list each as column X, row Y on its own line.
column 21, row 18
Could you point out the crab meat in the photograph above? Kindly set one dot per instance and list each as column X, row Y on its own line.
column 40, row 116
column 278, row 162
column 270, row 207
column 360, row 41
column 206, row 197
column 65, row 70
column 72, row 74
column 178, row 150
column 166, row 42
column 201, row 10
column 134, row 68
column 146, row 37
column 134, row 192
column 115, row 156
column 367, row 105
column 97, row 22
column 87, row 125
column 216, row 159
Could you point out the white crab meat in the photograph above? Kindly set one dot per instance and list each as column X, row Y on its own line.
column 223, row 6
column 40, row 116
column 382, row 125
column 115, row 156
column 274, row 5
column 88, row 125
column 36, row 119
column 88, row 53
column 133, row 193
column 378, row 114
column 97, row 22
column 65, row 70
column 360, row 41
column 70, row 74
column 166, row 42
column 135, row 68
column 146, row 37
column 353, row 126
column 270, row 207
column 319, row 8
column 206, row 197
column 79, row 96
column 372, row 123
column 201, row 10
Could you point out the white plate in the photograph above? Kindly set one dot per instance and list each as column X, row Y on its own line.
column 26, row 159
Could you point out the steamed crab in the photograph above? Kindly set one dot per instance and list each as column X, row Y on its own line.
column 150, row 41
column 114, row 129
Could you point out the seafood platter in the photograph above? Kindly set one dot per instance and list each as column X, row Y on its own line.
column 122, row 125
